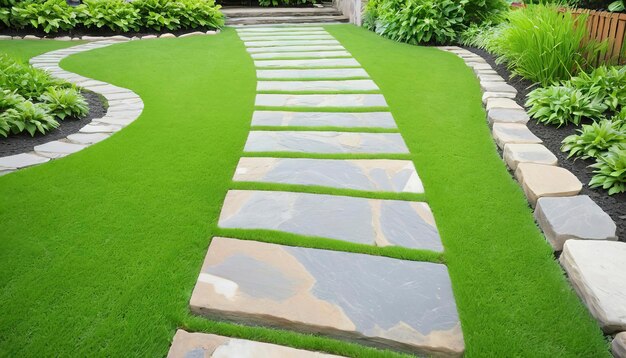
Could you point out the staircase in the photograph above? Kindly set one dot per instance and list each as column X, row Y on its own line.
column 282, row 15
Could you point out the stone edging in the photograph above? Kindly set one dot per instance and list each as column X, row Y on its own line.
column 101, row 38
column 124, row 106
column 562, row 214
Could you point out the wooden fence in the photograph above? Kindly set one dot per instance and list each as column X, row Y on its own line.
column 610, row 26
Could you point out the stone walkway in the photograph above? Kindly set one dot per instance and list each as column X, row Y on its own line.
column 379, row 301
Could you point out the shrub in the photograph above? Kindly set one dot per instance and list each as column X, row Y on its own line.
column 49, row 15
column 562, row 104
column 117, row 15
column 65, row 102
column 158, row 14
column 610, row 170
column 30, row 117
column 200, row 13
column 608, row 83
column 28, row 81
column 595, row 139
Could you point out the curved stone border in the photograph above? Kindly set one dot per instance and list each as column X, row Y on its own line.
column 102, row 38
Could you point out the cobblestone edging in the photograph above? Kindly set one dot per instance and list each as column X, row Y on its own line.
column 124, row 105
column 572, row 223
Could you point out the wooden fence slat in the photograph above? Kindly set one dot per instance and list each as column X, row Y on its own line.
column 611, row 38
column 619, row 39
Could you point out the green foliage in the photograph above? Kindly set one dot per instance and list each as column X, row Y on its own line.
column 608, row 83
column 200, row 13
column 610, row 170
column 30, row 117
column 65, row 102
column 594, row 140
column 26, row 80
column 158, row 14
column 117, row 15
column 49, row 15
column 563, row 104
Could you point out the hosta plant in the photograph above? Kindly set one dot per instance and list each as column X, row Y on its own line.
column 158, row 14
column 30, row 117
column 28, row 81
column 117, row 15
column 65, row 102
column 610, row 171
column 608, row 83
column 593, row 140
column 49, row 15
column 563, row 104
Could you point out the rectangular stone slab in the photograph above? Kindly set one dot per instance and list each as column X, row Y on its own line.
column 203, row 345
column 294, row 86
column 381, row 175
column 308, row 63
column 316, row 54
column 290, row 43
column 379, row 301
column 274, row 49
column 287, row 29
column 325, row 142
column 359, row 220
column 248, row 38
column 321, row 119
column 285, row 34
column 313, row 73
column 320, row 100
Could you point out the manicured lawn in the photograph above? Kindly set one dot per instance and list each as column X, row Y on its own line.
column 100, row 250
column 25, row 49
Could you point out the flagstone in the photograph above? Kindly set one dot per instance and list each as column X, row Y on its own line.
column 322, row 119
column 513, row 133
column 22, row 160
column 95, row 128
column 325, row 142
column 506, row 115
column 380, row 175
column 539, row 180
column 308, row 63
column 290, row 43
column 515, row 153
column 328, row 73
column 203, row 345
column 58, row 149
column 618, row 346
column 379, row 301
column 288, row 29
column 320, row 48
column 597, row 270
column 488, row 95
column 294, row 86
column 254, row 35
column 573, row 218
column 247, row 38
column 505, row 103
column 320, row 100
column 359, row 220
column 88, row 138
column 316, row 54
column 497, row 86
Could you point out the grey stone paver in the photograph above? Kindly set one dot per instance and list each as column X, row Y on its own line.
column 539, row 180
column 88, row 138
column 507, row 115
column 405, row 305
column 320, row 100
column 325, row 142
column 58, row 149
column 316, row 54
column 275, row 49
column 321, row 119
column 497, row 86
column 618, row 346
column 487, row 95
column 308, row 63
column 252, row 35
column 597, row 270
column 573, row 218
column 295, row 86
column 22, row 160
column 252, row 39
column 515, row 153
column 312, row 73
column 94, row 128
column 276, row 29
column 381, row 175
column 203, row 345
column 505, row 103
column 507, row 133
column 290, row 43
column 359, row 220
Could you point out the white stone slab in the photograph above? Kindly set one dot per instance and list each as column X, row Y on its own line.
column 510, row 133
column 323, row 119
column 287, row 29
column 94, row 128
column 252, row 35
column 322, row 54
column 87, row 138
column 618, row 346
column 308, row 63
column 58, row 149
column 597, row 270
column 251, row 39
column 290, row 43
column 294, row 86
column 325, row 142
column 379, row 175
column 321, row 100
column 275, row 49
column 21, row 161
column 333, row 73
column 515, row 153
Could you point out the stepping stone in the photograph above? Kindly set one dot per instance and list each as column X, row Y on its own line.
column 289, row 29
column 379, row 301
column 597, row 270
column 58, row 149
column 203, row 345
column 479, row 66
column 293, row 86
column 492, row 78
column 21, row 161
column 286, row 34
column 290, row 43
column 312, row 63
column 527, row 153
column 117, row 118
column 363, row 221
column 573, row 218
column 322, row 119
column 87, row 138
column 329, row 73
column 325, row 142
column 504, row 115
column 251, row 39
column 321, row 100
column 505, row 103
column 381, row 175
column 276, row 49
column 497, row 87
column 323, row 54
column 540, row 180
column 93, row 128
column 618, row 347
column 488, row 95
column 513, row 133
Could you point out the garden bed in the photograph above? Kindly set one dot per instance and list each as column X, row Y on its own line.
column 614, row 205
column 104, row 32
column 23, row 142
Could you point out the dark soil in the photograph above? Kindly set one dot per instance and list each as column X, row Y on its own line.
column 614, row 205
column 23, row 142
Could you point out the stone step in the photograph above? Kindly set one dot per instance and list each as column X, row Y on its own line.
column 379, row 301
column 259, row 20
column 285, row 37
column 358, row 220
column 318, row 74
column 295, row 42
column 321, row 100
column 233, row 12
column 379, row 175
column 203, row 345
column 277, row 29
column 308, row 63
column 322, row 119
column 296, row 86
column 325, row 142
column 276, row 35
column 277, row 55
column 275, row 49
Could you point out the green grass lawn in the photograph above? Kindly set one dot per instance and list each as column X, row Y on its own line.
column 100, row 250
column 25, row 49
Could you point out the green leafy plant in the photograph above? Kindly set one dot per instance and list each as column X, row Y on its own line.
column 30, row 117
column 65, row 102
column 28, row 81
column 608, row 83
column 610, row 170
column 199, row 13
column 117, row 15
column 8, row 101
column 593, row 140
column 158, row 14
column 49, row 15
column 563, row 104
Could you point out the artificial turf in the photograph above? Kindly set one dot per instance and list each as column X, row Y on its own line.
column 100, row 250
column 25, row 49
